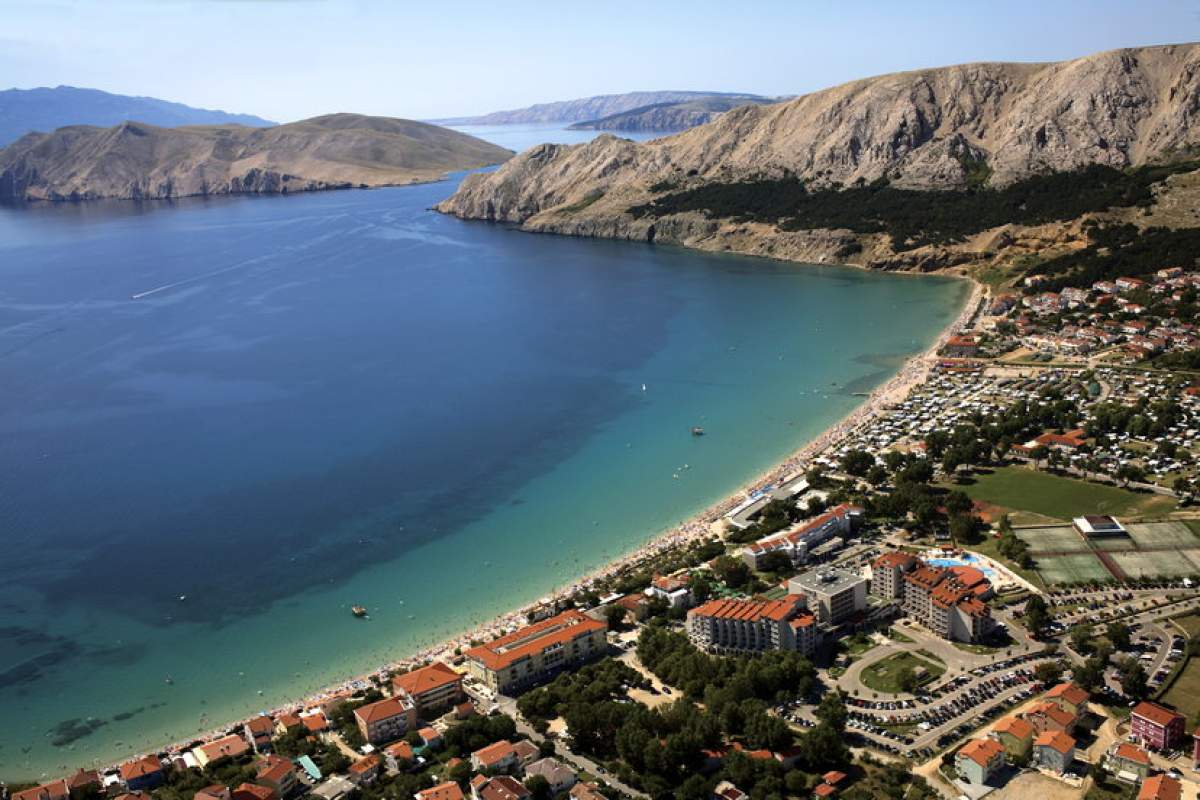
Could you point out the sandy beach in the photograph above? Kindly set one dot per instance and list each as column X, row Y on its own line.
column 703, row 525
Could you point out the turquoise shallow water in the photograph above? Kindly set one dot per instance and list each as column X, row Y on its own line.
column 278, row 407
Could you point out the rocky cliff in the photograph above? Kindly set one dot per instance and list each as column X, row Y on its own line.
column 929, row 129
column 138, row 161
column 671, row 116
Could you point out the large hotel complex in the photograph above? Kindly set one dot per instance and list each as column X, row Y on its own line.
column 533, row 654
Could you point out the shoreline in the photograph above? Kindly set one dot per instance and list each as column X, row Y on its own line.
column 701, row 525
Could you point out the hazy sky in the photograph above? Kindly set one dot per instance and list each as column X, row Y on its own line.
column 288, row 59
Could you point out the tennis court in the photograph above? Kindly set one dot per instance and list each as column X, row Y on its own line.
column 1051, row 539
column 1141, row 564
column 1162, row 534
column 1071, row 568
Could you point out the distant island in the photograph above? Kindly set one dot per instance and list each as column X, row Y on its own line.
column 134, row 160
column 24, row 111
column 678, row 116
column 597, row 108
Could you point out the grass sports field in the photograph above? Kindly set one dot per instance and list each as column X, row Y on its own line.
column 1023, row 489
column 1184, row 694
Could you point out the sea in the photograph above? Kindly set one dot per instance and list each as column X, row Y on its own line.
column 225, row 421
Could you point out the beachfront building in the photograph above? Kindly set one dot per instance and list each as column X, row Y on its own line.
column 751, row 626
column 141, row 773
column 979, row 760
column 55, row 790
column 434, row 688
column 219, row 750
column 386, row 720
column 1155, row 727
column 259, row 732
column 833, row 595
column 887, row 574
column 797, row 543
column 537, row 652
column 949, row 601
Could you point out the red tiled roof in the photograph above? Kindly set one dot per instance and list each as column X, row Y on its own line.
column 493, row 753
column 1055, row 740
column 139, row 768
column 426, row 679
column 365, row 764
column 1155, row 713
column 261, row 725
column 825, row 790
column 273, row 769
column 229, row 746
column 1160, row 787
column 833, row 777
column 315, row 722
column 981, row 751
column 1069, row 692
column 534, row 638
column 753, row 610
column 380, row 710
column 252, row 791
column 1053, row 712
column 1130, row 752
column 55, row 790
column 400, row 750
column 894, row 559
column 443, row 791
column 1014, row 726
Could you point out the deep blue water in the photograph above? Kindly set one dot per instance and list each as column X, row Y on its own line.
column 277, row 407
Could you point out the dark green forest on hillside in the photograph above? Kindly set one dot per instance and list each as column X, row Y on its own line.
column 1116, row 250
column 912, row 217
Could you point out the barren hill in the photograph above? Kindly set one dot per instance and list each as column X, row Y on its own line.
column 135, row 160
column 588, row 108
column 943, row 129
column 671, row 116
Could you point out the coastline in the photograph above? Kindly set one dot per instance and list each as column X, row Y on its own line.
column 912, row 373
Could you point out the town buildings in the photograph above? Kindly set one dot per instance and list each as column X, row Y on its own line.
column 434, row 688
column 498, row 757
column 443, row 791
column 1130, row 762
column 1015, row 735
column 1054, row 750
column 674, row 589
column 798, row 543
column 1156, row 727
column 537, row 652
column 1160, row 787
column 949, row 601
column 219, row 750
column 834, row 596
column 750, row 626
column 386, row 720
column 887, row 574
column 141, row 773
column 979, row 760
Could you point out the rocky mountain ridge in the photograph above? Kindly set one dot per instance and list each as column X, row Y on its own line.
column 929, row 129
column 138, row 161
column 670, row 117
column 585, row 109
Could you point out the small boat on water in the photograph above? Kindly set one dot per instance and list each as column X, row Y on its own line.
column 359, row 611
column 697, row 431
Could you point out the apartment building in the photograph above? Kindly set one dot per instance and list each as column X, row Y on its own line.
column 386, row 720
column 1156, row 727
column 797, row 543
column 434, row 688
column 833, row 595
column 949, row 601
column 887, row 574
column 537, row 652
column 751, row 626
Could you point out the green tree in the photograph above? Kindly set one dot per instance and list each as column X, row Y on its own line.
column 857, row 462
column 614, row 615
column 539, row 787
column 1118, row 634
column 1037, row 615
